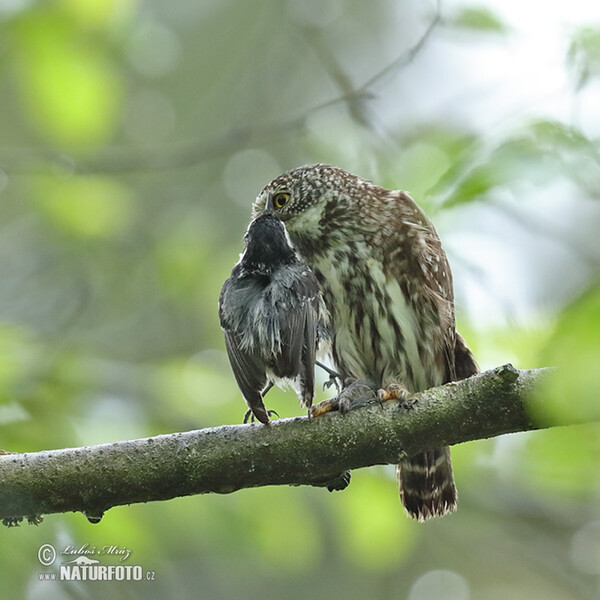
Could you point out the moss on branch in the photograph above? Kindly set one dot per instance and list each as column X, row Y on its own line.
column 294, row 451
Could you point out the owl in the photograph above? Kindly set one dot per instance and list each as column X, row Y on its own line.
column 387, row 288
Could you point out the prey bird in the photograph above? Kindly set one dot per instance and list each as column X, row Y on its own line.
column 272, row 315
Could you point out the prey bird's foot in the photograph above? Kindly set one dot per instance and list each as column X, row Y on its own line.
column 334, row 377
column 332, row 381
column 250, row 416
column 396, row 391
column 267, row 388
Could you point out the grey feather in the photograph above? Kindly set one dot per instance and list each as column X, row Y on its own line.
column 272, row 315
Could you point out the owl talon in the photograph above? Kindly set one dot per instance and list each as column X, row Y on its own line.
column 395, row 391
column 323, row 407
column 341, row 482
column 334, row 484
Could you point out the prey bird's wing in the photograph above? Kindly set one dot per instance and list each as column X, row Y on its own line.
column 249, row 372
column 246, row 363
column 309, row 347
column 298, row 318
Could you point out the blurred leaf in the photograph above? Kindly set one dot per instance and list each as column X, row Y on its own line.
column 474, row 186
column 183, row 261
column 419, row 168
column 574, row 348
column 70, row 89
column 17, row 357
column 553, row 135
column 562, row 460
column 540, row 151
column 287, row 534
column 199, row 390
column 375, row 533
column 583, row 56
column 99, row 13
column 571, row 152
column 87, row 206
column 478, row 18
column 519, row 344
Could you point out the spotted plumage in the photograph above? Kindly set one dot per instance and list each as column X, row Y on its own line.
column 272, row 315
column 387, row 286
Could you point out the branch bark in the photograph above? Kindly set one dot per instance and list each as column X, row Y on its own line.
column 294, row 451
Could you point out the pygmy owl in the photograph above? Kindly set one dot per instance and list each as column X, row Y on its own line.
column 387, row 287
column 272, row 314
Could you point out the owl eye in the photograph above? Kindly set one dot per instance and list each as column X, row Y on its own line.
column 281, row 199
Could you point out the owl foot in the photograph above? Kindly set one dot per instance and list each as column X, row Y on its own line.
column 323, row 407
column 396, row 391
column 334, row 484
column 341, row 482
column 249, row 415
column 356, row 394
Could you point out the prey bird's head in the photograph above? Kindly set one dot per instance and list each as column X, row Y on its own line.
column 266, row 243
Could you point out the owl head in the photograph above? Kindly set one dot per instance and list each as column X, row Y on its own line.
column 311, row 198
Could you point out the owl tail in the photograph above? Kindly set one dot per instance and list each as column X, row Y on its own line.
column 427, row 485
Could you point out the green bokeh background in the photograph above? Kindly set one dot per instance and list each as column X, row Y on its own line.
column 134, row 136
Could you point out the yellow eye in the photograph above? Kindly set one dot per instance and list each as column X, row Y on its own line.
column 281, row 199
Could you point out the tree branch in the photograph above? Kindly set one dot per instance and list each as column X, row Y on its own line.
column 294, row 451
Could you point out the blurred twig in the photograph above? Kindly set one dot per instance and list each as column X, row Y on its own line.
column 407, row 57
column 355, row 98
column 170, row 156
column 288, row 452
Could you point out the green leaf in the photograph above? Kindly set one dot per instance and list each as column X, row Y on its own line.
column 539, row 152
column 474, row 186
column 583, row 56
column 478, row 18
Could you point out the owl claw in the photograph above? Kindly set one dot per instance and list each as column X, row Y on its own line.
column 396, row 391
column 334, row 484
column 341, row 482
column 323, row 407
